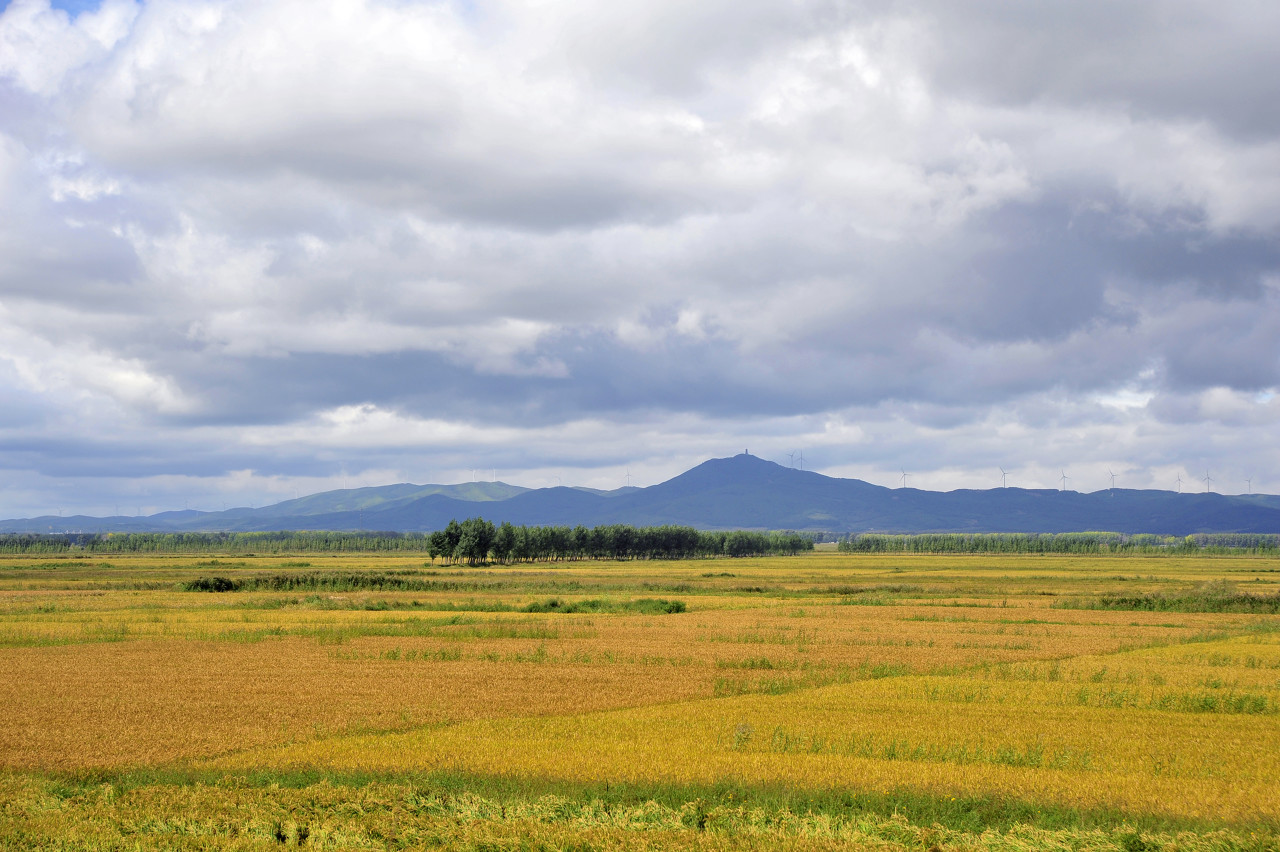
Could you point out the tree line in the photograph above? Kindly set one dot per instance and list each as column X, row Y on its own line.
column 1077, row 542
column 473, row 540
column 244, row 543
column 476, row 540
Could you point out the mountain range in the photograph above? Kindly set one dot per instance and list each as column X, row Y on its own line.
column 741, row 492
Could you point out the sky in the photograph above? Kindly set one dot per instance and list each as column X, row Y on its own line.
column 251, row 250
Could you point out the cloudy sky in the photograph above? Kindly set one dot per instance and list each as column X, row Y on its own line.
column 256, row 249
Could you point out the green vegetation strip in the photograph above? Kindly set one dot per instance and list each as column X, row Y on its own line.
column 1093, row 543
column 154, row 809
column 329, row 581
column 474, row 540
column 643, row 606
column 1215, row 596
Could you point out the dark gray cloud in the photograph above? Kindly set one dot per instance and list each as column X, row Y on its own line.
column 1176, row 60
column 577, row 239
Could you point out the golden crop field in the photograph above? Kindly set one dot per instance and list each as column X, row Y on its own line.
column 819, row 701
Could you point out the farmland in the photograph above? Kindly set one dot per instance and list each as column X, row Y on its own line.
column 813, row 701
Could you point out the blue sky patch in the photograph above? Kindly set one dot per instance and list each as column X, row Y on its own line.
column 71, row 7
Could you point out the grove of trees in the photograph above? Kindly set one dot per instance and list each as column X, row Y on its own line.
column 475, row 539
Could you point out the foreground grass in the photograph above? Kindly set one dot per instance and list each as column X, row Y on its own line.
column 150, row 810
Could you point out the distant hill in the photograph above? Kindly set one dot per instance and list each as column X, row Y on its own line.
column 742, row 492
column 385, row 497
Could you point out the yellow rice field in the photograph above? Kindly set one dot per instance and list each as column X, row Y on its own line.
column 927, row 678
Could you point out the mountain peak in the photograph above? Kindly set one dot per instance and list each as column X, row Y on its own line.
column 740, row 462
column 742, row 470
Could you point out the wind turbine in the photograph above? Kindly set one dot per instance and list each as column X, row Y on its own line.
column 1207, row 480
column 801, row 454
column 1113, row 479
column 1004, row 479
column 628, row 477
column 1179, row 483
column 792, row 457
column 904, row 478
column 1248, row 485
column 1064, row 480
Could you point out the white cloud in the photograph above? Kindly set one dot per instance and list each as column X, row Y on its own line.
column 88, row 376
column 880, row 231
column 40, row 47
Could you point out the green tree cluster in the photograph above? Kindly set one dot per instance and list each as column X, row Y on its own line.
column 469, row 541
column 509, row 543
